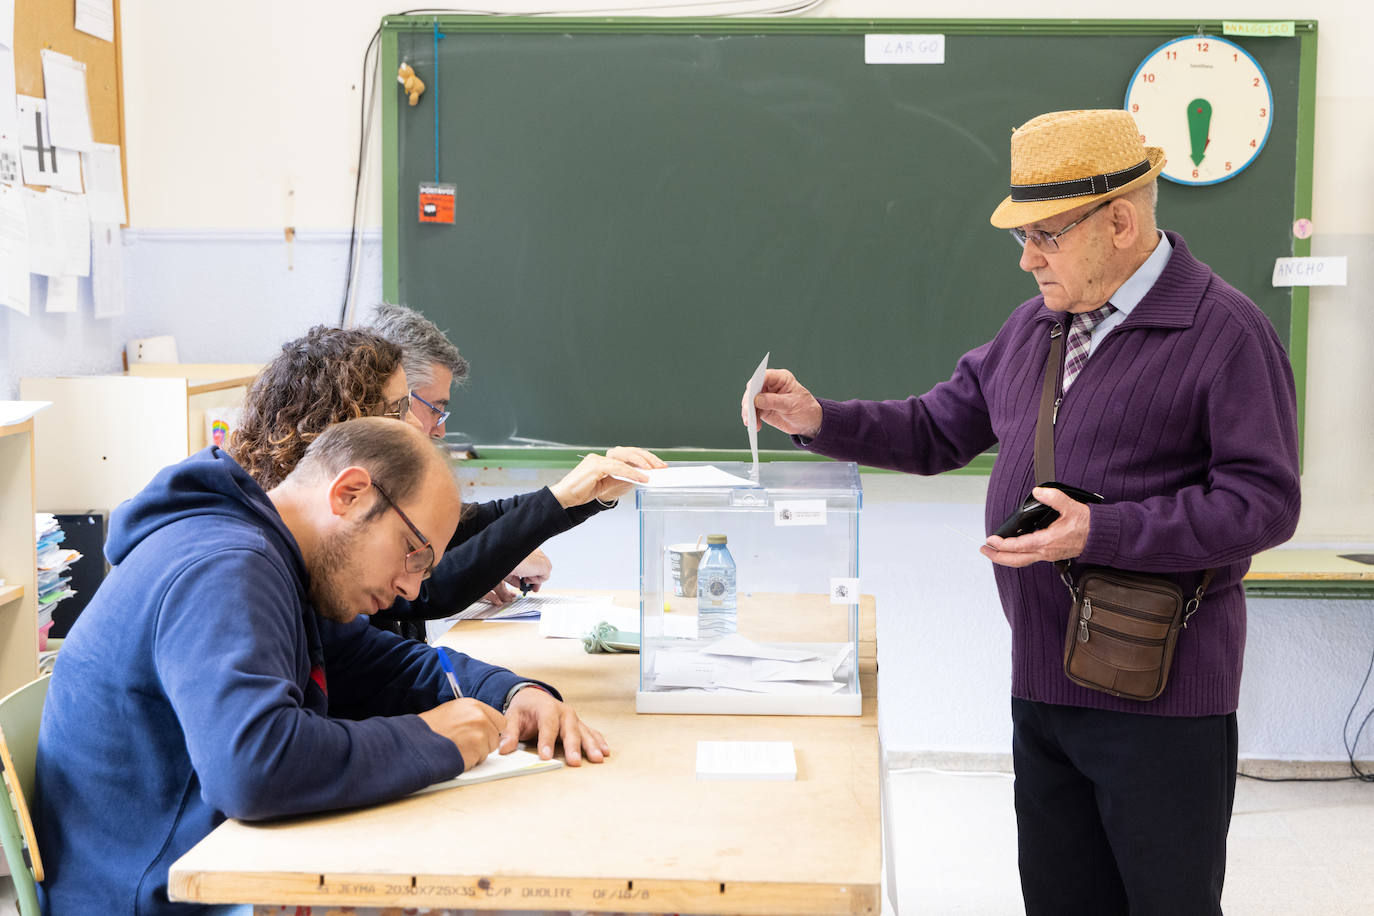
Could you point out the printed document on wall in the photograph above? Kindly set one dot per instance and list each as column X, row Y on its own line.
column 96, row 17
column 45, row 238
column 104, row 183
column 107, row 269
column 7, row 23
column 69, row 107
column 74, row 223
column 14, row 250
column 44, row 163
column 62, row 294
column 9, row 121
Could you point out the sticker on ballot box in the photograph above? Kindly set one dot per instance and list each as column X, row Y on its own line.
column 844, row 591
column 436, row 203
column 799, row 512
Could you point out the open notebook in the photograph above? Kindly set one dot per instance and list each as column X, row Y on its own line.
column 518, row 762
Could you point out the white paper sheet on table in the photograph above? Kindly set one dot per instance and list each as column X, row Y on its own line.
column 573, row 620
column 766, row 760
column 751, row 390
column 700, row 475
column 69, row 107
column 529, row 605
column 519, row 762
column 740, row 646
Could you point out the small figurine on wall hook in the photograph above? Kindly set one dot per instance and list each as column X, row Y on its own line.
column 410, row 83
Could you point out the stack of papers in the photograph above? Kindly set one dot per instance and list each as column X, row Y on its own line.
column 767, row 760
column 53, row 561
column 527, row 606
column 518, row 762
column 739, row 664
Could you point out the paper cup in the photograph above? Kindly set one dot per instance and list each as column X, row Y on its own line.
column 683, row 560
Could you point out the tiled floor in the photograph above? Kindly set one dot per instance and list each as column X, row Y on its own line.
column 1296, row 849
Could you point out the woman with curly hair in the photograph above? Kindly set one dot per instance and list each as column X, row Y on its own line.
column 327, row 376
column 331, row 375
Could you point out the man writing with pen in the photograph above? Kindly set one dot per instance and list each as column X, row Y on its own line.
column 224, row 668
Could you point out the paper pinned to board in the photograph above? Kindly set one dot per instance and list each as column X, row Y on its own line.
column 14, row 250
column 69, row 107
column 751, row 391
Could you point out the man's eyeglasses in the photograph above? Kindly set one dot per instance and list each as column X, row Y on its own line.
column 420, row 560
column 440, row 416
column 1049, row 241
column 398, row 409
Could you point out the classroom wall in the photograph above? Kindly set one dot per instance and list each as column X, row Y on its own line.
column 241, row 123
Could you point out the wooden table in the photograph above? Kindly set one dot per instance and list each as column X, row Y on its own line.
column 638, row 833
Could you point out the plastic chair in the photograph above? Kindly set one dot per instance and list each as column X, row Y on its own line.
column 20, row 713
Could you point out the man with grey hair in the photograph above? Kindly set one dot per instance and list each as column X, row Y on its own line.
column 431, row 361
column 495, row 548
column 226, row 646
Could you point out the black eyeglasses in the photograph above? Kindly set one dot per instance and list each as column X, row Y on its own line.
column 1049, row 241
column 398, row 409
column 420, row 560
column 440, row 416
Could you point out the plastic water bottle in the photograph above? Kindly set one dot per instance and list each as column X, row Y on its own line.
column 716, row 612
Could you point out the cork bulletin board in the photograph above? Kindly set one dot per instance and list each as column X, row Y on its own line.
column 40, row 24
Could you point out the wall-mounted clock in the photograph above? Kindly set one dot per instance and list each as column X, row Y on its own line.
column 1206, row 101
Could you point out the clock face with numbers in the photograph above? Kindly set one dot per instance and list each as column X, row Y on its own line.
column 1206, row 102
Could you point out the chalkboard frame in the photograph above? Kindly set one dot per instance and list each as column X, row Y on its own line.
column 398, row 206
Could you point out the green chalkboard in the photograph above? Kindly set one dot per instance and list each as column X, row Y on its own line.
column 643, row 208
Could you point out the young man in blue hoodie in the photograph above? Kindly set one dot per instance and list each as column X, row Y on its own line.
column 223, row 669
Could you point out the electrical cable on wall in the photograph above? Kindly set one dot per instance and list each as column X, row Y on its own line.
column 1351, row 742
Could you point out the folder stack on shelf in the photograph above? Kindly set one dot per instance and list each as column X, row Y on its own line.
column 54, row 560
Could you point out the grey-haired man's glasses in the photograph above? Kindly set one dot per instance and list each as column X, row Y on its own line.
column 440, row 416
column 1049, row 241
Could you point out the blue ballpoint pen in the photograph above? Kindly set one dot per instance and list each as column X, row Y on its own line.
column 449, row 672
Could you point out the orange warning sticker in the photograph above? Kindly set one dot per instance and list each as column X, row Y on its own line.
column 436, row 203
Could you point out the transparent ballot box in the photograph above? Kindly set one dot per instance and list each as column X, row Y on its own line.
column 789, row 645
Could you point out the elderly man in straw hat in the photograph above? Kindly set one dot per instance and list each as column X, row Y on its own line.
column 1174, row 400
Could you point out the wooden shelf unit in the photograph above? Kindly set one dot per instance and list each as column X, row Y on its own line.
column 18, row 559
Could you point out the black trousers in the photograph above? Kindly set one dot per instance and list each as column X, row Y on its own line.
column 1119, row 813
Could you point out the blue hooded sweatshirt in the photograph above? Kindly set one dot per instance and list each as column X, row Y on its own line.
column 200, row 684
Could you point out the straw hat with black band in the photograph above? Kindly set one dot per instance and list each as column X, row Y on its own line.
column 1068, row 159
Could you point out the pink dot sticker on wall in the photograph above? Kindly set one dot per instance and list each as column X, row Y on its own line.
column 1302, row 228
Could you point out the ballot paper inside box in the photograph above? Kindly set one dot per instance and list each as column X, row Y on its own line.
column 794, row 537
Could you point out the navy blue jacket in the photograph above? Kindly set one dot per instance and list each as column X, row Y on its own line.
column 200, row 684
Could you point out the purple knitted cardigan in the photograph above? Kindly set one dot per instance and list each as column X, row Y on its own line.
column 1184, row 419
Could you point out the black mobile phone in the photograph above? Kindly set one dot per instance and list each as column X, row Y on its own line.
column 1032, row 515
